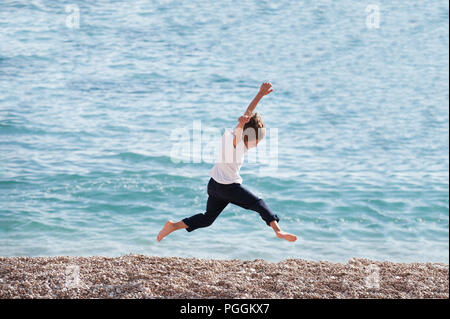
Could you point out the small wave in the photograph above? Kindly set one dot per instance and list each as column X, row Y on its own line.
column 38, row 226
column 9, row 129
column 7, row 184
column 137, row 157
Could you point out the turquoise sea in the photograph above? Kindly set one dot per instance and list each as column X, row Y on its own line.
column 89, row 106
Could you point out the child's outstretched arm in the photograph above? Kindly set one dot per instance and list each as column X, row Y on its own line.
column 265, row 89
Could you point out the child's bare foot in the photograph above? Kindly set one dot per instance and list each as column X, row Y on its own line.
column 287, row 236
column 167, row 229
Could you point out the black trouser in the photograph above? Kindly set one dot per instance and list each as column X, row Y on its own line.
column 220, row 195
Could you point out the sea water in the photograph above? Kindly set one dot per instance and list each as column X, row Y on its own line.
column 91, row 93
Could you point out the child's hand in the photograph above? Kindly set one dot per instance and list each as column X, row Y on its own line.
column 265, row 88
column 244, row 119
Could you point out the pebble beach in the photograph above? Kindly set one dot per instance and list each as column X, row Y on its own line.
column 140, row 276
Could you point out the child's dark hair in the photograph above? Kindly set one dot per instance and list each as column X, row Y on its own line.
column 255, row 124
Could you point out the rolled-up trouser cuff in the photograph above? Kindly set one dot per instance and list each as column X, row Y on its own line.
column 188, row 224
column 264, row 211
column 275, row 217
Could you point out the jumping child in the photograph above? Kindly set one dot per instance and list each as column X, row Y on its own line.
column 224, row 186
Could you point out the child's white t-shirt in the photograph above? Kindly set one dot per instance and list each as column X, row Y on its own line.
column 229, row 162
